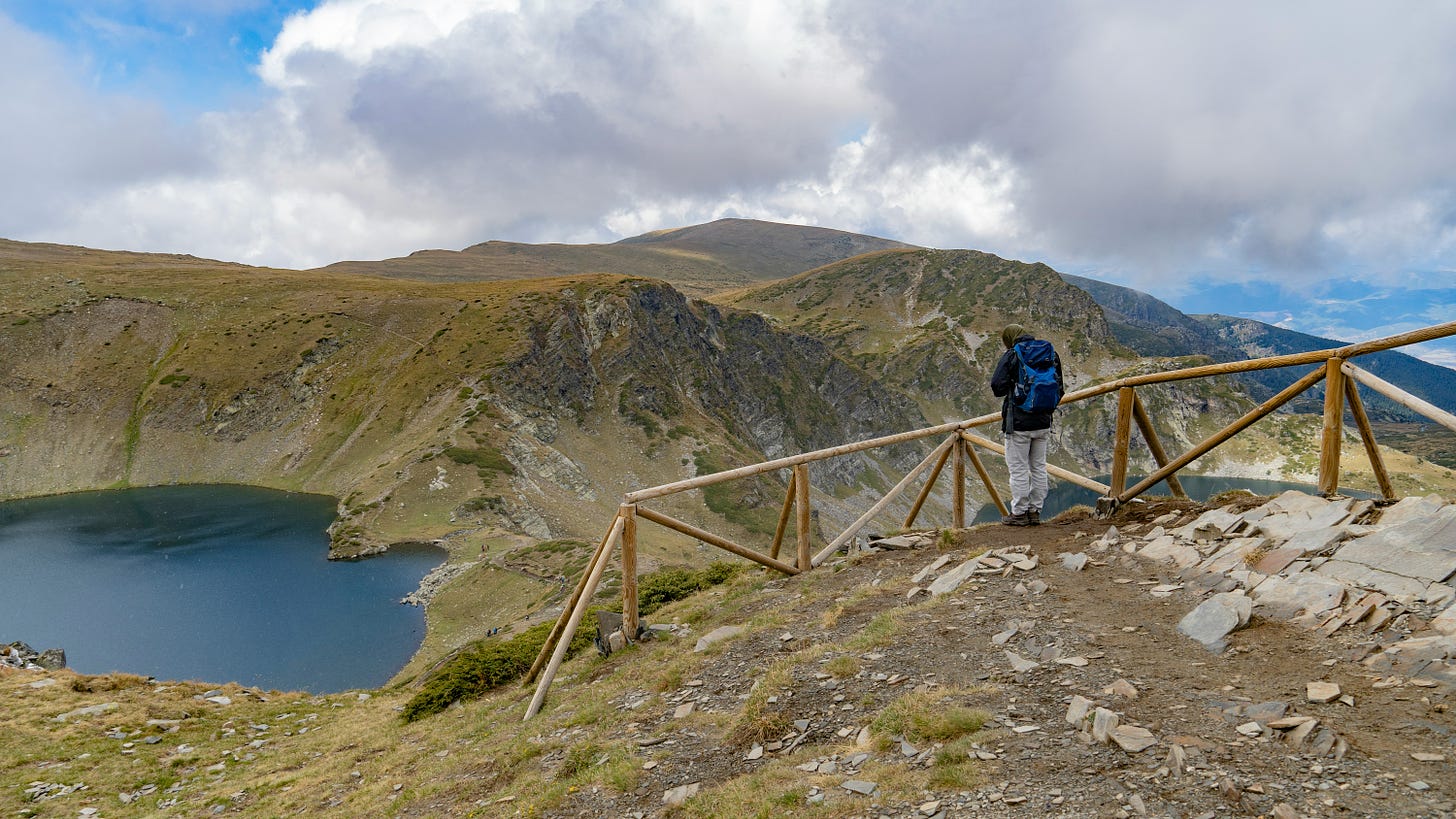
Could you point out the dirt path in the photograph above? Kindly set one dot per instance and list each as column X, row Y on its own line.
column 1105, row 626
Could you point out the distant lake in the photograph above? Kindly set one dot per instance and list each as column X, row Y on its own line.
column 210, row 583
column 1064, row 495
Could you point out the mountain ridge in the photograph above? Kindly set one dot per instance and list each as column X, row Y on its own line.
column 698, row 259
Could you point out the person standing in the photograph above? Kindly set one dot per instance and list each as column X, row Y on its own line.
column 1028, row 379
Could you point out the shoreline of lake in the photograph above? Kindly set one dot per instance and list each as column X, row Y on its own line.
column 220, row 582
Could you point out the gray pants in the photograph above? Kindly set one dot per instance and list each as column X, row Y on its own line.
column 1026, row 460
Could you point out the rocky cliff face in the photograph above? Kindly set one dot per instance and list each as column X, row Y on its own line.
column 662, row 362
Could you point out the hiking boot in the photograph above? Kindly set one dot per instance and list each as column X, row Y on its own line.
column 1033, row 517
column 1019, row 519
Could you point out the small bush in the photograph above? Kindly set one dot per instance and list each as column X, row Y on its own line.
column 921, row 718
column 484, row 458
column 490, row 665
column 665, row 586
column 579, row 758
column 842, row 667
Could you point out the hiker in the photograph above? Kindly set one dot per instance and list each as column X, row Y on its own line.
column 1029, row 379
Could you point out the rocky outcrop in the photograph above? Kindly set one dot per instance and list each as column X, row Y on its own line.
column 658, row 359
column 1327, row 565
column 20, row 655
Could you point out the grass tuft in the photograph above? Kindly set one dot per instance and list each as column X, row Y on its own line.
column 926, row 717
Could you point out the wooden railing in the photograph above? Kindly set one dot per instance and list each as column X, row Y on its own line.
column 959, row 447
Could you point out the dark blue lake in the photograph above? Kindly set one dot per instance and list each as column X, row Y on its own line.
column 210, row 583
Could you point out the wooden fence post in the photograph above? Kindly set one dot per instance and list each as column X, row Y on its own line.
column 1122, row 440
column 958, row 495
column 629, row 571
column 985, row 476
column 1334, row 427
column 802, row 518
column 788, row 507
column 1367, row 436
column 929, row 485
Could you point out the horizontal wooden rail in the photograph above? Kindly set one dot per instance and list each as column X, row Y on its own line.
column 708, row 537
column 1400, row 396
column 792, row 460
column 1270, row 363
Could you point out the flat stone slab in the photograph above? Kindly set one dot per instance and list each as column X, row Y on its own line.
column 1232, row 555
column 1171, row 548
column 717, row 635
column 1422, row 548
column 1216, row 617
column 1406, row 590
column 952, row 580
column 681, row 793
column 1020, row 664
column 1285, row 597
column 1277, row 561
column 1211, row 524
column 88, row 711
column 1133, row 739
column 1290, row 525
column 1445, row 622
column 1317, row 541
column 1411, row 508
column 934, row 567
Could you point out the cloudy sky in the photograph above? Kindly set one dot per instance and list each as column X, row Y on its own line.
column 1294, row 162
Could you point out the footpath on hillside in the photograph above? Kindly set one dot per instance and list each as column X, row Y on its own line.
column 1067, row 636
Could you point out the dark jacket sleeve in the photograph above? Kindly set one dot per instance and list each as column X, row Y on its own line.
column 1004, row 376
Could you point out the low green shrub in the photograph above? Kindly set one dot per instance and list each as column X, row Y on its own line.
column 493, row 663
column 484, row 458
column 489, row 665
column 665, row 586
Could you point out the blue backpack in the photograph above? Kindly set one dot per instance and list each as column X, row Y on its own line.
column 1036, row 387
